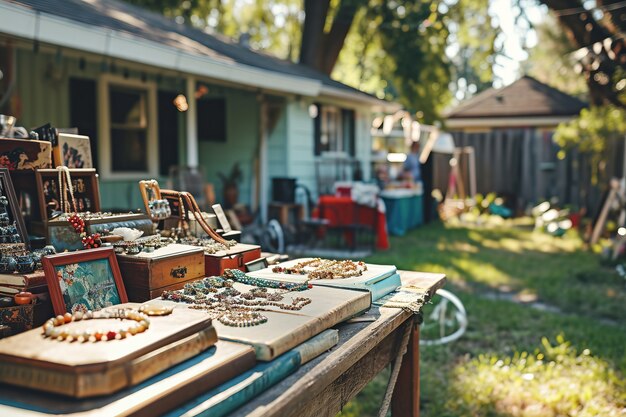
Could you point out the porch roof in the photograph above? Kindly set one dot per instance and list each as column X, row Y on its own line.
column 120, row 30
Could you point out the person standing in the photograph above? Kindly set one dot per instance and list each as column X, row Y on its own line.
column 412, row 163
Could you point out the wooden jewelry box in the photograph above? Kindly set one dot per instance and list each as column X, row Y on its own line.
column 147, row 275
column 63, row 237
column 89, row 369
column 234, row 258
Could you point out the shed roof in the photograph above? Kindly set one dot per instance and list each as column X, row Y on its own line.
column 526, row 97
column 123, row 18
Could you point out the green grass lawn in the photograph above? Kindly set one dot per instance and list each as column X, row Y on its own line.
column 515, row 360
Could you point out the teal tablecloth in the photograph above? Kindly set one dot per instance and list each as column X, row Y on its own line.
column 404, row 212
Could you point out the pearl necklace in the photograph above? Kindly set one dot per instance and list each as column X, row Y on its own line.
column 52, row 330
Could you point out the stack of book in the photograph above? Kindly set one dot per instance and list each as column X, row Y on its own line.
column 35, row 283
column 11, row 284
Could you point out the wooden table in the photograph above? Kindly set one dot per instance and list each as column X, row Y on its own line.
column 323, row 386
column 319, row 388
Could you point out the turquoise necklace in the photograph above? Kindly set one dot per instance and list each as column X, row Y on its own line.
column 241, row 277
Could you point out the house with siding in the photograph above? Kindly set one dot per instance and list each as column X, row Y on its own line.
column 511, row 130
column 114, row 71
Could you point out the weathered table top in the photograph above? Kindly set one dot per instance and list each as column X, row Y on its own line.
column 321, row 387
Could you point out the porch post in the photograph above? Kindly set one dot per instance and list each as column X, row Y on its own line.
column 192, row 127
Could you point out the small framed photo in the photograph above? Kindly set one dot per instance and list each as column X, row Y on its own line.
column 72, row 151
column 84, row 183
column 221, row 218
column 12, row 228
column 84, row 280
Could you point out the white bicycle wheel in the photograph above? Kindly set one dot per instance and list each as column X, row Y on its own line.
column 445, row 321
column 273, row 239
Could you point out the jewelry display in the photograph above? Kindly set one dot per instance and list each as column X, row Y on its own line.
column 317, row 268
column 230, row 306
column 77, row 222
column 209, row 245
column 243, row 319
column 53, row 327
column 158, row 208
column 88, row 215
column 142, row 244
column 16, row 258
column 241, row 277
column 8, row 230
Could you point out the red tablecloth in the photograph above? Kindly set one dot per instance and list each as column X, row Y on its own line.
column 341, row 211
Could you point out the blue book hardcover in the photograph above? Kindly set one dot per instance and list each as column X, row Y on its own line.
column 227, row 397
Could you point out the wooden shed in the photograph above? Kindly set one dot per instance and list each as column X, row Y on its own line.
column 511, row 131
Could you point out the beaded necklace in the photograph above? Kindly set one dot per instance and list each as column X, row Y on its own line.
column 52, row 328
column 76, row 221
column 241, row 277
column 231, row 307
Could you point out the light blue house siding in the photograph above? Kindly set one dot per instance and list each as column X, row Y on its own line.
column 291, row 145
column 300, row 144
column 241, row 145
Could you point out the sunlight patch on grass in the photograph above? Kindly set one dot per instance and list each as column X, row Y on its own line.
column 555, row 381
column 478, row 271
column 456, row 246
column 518, row 241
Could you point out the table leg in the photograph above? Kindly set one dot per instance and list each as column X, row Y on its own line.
column 406, row 396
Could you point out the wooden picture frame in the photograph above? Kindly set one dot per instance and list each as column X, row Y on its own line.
column 13, row 208
column 72, row 151
column 86, row 190
column 84, row 280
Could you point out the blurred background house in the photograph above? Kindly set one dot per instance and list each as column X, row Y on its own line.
column 511, row 130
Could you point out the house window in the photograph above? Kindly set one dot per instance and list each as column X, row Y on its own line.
column 127, row 127
column 334, row 130
column 211, row 119
column 83, row 112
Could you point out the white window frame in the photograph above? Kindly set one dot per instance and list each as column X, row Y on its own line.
column 105, row 82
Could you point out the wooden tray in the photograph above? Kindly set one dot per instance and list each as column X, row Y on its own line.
column 286, row 329
column 159, row 394
column 89, row 369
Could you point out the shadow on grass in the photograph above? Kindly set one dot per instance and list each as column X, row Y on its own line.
column 556, row 271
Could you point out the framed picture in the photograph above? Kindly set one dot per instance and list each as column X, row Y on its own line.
column 84, row 280
column 12, row 229
column 72, row 151
column 84, row 183
column 221, row 218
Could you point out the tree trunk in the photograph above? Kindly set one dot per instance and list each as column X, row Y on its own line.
column 334, row 40
column 313, row 31
column 320, row 50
